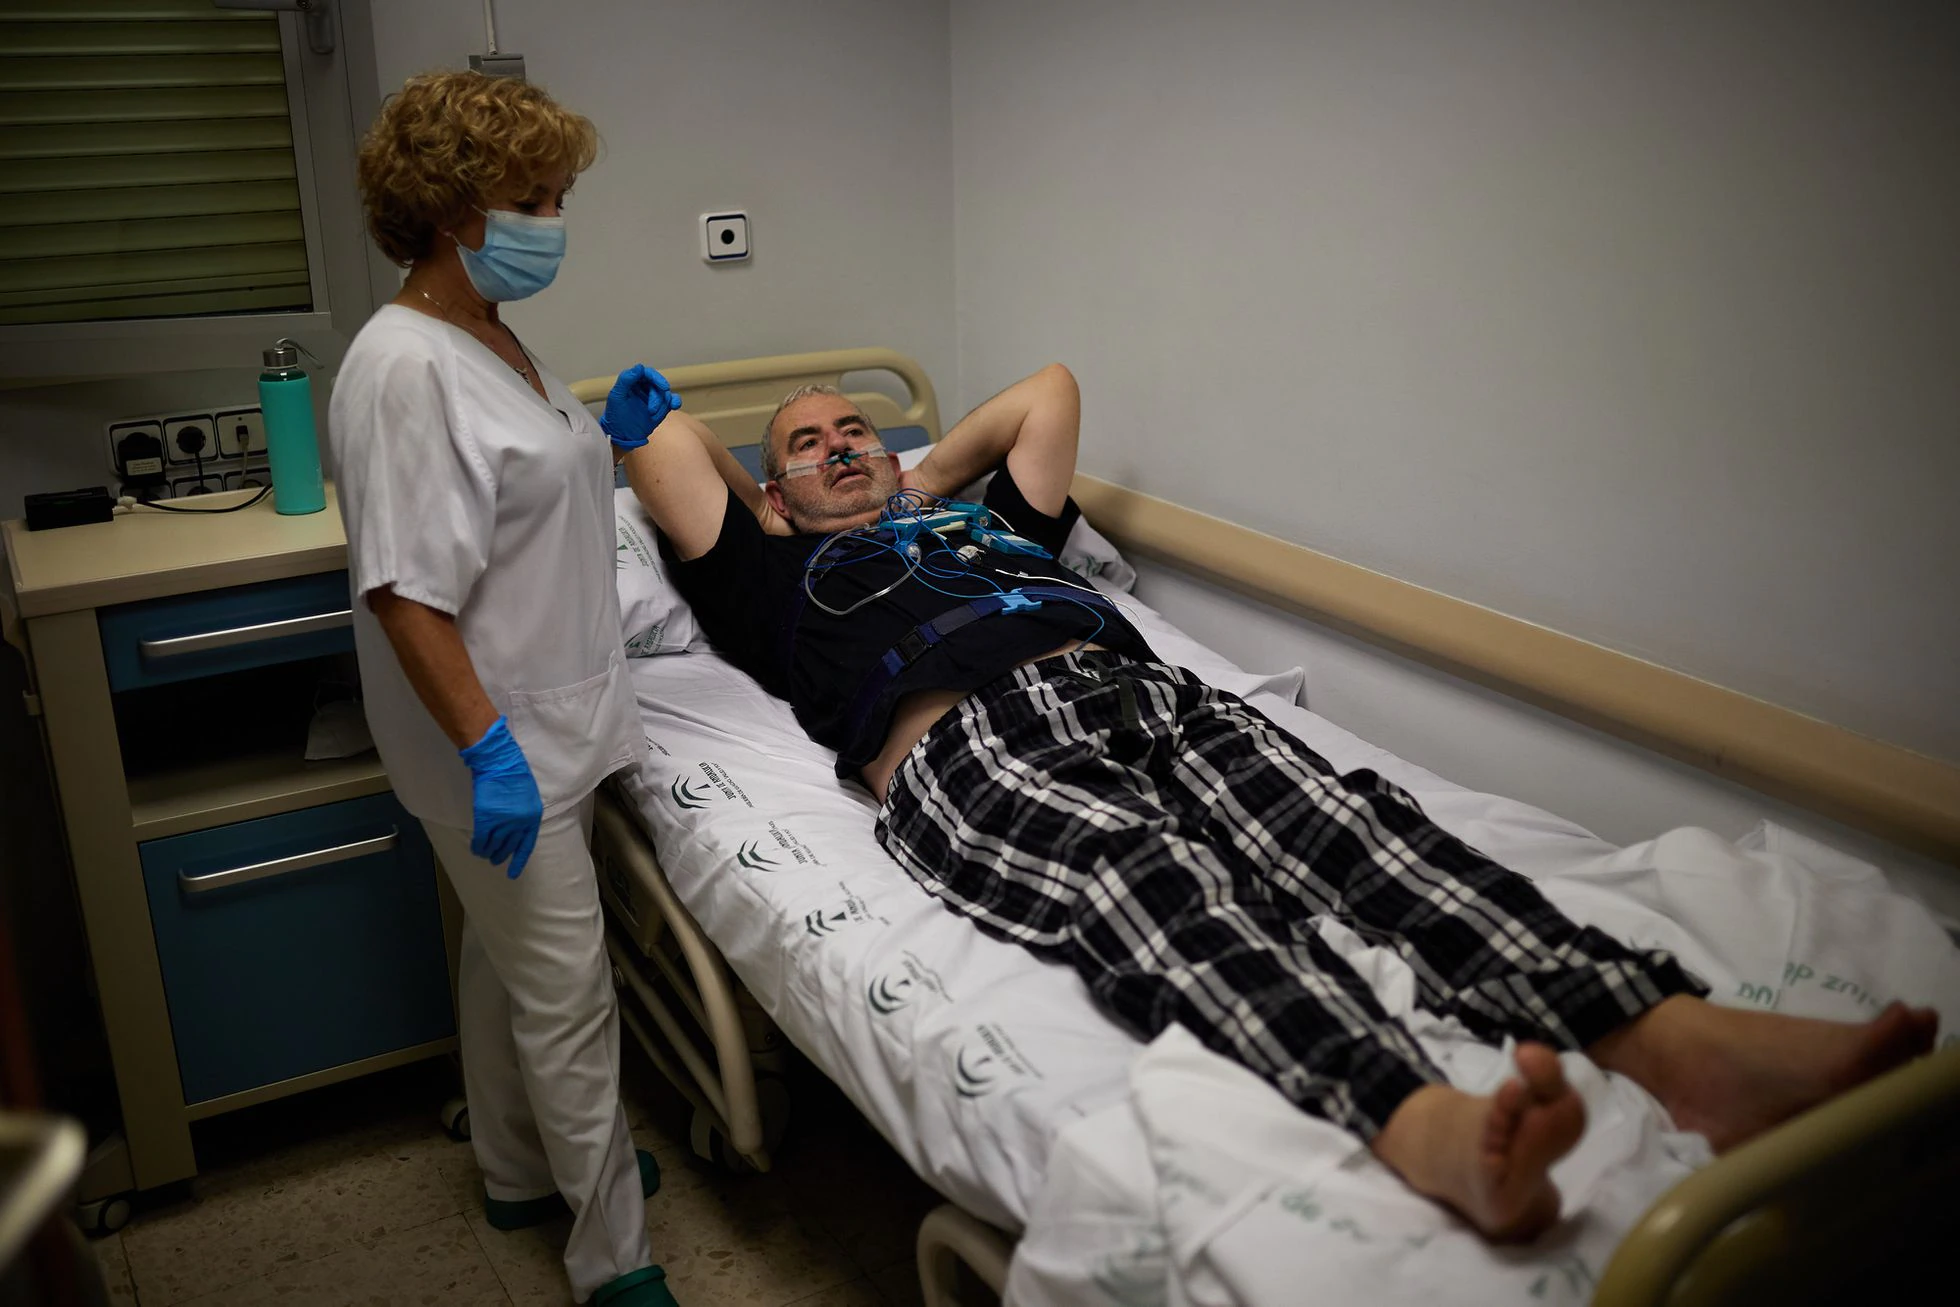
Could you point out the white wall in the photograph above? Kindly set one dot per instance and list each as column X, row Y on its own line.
column 1638, row 321
column 830, row 123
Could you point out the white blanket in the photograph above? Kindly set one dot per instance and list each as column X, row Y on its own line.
column 1168, row 1174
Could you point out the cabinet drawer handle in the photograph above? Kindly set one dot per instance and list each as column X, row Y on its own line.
column 203, row 640
column 280, row 866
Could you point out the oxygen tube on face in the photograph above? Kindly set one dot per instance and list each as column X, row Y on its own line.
column 843, row 459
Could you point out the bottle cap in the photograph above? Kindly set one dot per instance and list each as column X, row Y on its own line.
column 285, row 353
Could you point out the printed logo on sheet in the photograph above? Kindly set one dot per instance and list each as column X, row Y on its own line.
column 633, row 548
column 989, row 1061
column 1306, row 1204
column 852, row 911
column 713, row 785
column 778, row 848
column 1135, row 1275
column 647, row 642
column 904, row 984
column 1854, row 1003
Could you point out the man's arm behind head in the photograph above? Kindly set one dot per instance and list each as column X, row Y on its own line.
column 681, row 476
column 1031, row 426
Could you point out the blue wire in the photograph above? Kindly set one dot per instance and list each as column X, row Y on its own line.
column 912, row 506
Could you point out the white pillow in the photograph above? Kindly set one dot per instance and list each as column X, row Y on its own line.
column 653, row 618
column 1087, row 552
column 1090, row 555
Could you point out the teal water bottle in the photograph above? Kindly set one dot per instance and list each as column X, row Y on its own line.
column 291, row 444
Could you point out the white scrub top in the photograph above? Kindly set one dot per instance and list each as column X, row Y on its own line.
column 466, row 492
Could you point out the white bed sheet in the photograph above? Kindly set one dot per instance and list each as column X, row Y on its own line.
column 1169, row 1174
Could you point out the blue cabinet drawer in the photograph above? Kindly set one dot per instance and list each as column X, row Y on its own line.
column 296, row 943
column 158, row 641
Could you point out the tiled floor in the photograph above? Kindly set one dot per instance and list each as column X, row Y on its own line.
column 354, row 1195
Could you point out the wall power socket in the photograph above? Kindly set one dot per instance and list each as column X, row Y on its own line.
column 241, row 431
column 189, row 439
column 136, row 451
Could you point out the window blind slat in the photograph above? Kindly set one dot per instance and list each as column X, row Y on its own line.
column 112, row 71
column 71, row 11
column 172, row 286
column 28, row 108
column 70, row 239
column 243, row 298
column 36, row 40
column 158, row 202
column 89, row 272
column 138, row 170
column 87, row 140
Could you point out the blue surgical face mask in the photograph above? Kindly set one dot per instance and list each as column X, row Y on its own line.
column 519, row 257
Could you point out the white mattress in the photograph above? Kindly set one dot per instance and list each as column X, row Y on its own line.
column 996, row 1078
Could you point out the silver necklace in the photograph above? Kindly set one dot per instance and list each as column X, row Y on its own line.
column 521, row 369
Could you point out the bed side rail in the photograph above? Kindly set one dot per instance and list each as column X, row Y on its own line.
column 1890, row 790
column 949, row 1239
column 1840, row 1192
column 730, row 1095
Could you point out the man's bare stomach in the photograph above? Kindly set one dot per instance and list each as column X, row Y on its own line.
column 915, row 714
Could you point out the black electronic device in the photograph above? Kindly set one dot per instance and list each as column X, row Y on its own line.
column 139, row 462
column 70, row 507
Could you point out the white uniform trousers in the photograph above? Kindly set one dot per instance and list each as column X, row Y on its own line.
column 540, row 1035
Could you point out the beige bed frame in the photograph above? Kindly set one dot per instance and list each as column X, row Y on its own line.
column 1829, row 1199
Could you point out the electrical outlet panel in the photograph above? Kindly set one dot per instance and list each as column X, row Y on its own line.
column 189, row 453
column 136, row 451
column 189, row 439
column 184, row 487
column 240, row 431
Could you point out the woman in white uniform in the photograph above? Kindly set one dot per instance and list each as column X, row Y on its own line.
column 477, row 494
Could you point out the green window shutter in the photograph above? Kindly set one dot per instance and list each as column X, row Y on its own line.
column 146, row 163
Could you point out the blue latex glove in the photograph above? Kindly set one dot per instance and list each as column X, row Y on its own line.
column 639, row 400
column 504, row 799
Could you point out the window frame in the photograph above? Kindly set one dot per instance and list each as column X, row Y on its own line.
column 325, row 93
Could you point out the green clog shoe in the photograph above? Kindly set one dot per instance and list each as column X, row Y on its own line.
column 646, row 1287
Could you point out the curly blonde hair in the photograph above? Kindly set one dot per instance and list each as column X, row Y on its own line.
column 447, row 142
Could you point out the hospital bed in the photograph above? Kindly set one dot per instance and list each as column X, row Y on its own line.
column 746, row 896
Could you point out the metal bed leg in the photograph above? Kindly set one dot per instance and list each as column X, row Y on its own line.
column 949, row 1239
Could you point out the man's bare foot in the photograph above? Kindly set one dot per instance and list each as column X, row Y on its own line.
column 1731, row 1074
column 1489, row 1158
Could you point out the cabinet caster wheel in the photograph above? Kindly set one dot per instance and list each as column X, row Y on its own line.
column 102, row 1216
column 711, row 1145
column 456, row 1119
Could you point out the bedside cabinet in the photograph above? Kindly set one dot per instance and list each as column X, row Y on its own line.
column 257, row 924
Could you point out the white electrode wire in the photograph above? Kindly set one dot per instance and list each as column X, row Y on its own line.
column 1107, row 598
column 809, row 569
column 490, row 25
column 910, row 557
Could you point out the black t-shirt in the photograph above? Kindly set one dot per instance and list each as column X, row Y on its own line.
column 748, row 588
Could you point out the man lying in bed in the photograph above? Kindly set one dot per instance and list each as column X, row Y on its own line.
column 1043, row 774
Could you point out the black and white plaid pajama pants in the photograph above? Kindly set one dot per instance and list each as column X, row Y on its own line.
column 1175, row 847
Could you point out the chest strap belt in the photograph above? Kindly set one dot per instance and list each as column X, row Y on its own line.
column 914, row 643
